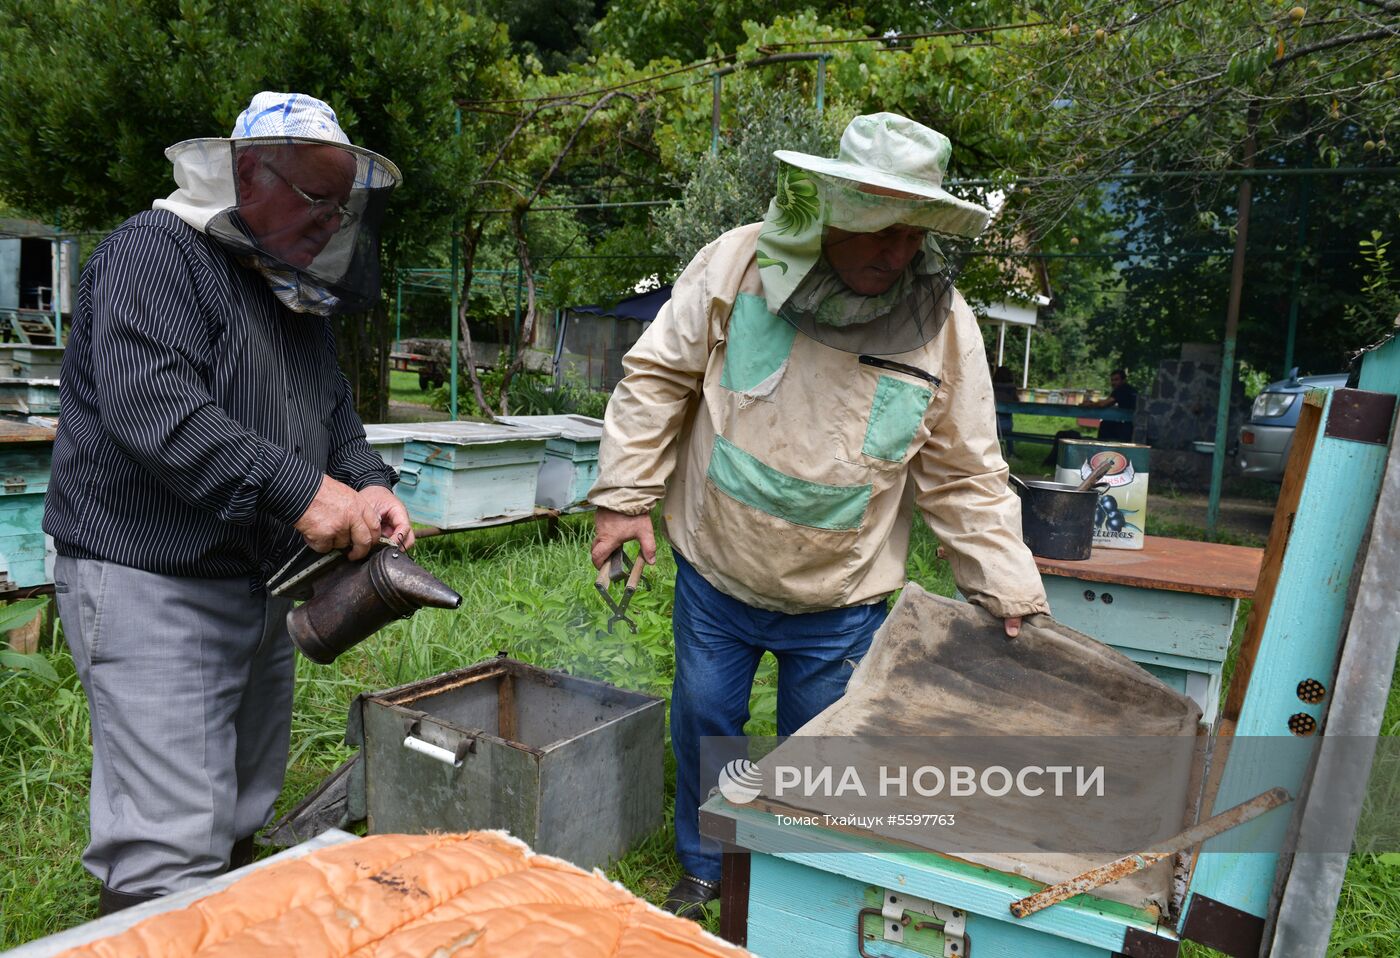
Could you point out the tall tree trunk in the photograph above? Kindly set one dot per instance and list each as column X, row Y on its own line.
column 381, row 347
column 1232, row 322
column 363, row 351
column 527, row 321
column 471, row 240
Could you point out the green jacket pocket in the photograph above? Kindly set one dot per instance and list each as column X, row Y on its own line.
column 895, row 416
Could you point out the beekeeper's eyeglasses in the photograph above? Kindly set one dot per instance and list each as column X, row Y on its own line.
column 322, row 210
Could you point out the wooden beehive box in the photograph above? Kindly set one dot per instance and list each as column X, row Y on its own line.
column 28, row 397
column 570, row 465
column 388, row 440
column 26, row 453
column 456, row 475
column 33, row 362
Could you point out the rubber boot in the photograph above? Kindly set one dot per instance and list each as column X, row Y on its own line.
column 688, row 897
column 109, row 900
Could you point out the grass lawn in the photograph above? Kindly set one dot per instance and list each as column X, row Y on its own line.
column 524, row 592
column 403, row 387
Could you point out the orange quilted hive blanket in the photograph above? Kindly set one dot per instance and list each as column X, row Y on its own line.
column 416, row 896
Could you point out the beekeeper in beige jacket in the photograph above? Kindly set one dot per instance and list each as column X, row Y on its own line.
column 813, row 379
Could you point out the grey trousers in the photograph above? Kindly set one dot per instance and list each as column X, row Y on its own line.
column 189, row 683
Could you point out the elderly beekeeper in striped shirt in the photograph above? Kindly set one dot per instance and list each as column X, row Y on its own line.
column 814, row 378
column 206, row 434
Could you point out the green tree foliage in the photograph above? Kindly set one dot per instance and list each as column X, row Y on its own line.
column 647, row 31
column 92, row 93
column 555, row 145
column 686, row 30
column 1043, row 105
column 609, row 267
column 1377, row 312
column 553, row 32
column 732, row 187
column 1176, row 246
column 1143, row 85
column 1138, row 88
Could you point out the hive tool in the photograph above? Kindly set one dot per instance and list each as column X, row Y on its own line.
column 616, row 569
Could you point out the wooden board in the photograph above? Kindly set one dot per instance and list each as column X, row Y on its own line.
column 1339, row 789
column 869, row 860
column 15, row 431
column 1174, row 565
column 1295, row 473
column 1301, row 640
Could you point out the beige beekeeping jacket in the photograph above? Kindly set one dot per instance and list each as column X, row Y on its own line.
column 791, row 469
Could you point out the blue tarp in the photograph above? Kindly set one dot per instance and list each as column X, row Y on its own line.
column 643, row 306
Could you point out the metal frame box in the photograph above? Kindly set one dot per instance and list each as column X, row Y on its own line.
column 571, row 766
column 570, row 465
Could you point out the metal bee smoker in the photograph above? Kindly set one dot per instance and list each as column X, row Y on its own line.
column 343, row 602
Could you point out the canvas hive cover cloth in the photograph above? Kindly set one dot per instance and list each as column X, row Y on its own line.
column 479, row 895
column 942, row 687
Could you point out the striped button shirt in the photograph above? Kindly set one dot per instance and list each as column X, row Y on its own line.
column 198, row 412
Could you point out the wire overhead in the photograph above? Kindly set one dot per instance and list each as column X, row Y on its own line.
column 888, row 39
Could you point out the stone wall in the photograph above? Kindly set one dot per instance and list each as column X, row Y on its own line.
column 1180, row 409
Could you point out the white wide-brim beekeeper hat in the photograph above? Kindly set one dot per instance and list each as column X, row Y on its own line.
column 345, row 274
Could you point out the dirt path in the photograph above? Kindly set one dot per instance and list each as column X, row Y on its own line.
column 412, row 412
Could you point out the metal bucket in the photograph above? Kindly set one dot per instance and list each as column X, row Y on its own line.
column 1057, row 521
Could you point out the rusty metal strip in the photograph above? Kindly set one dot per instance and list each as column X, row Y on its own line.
column 1223, row 927
column 419, row 690
column 1361, row 416
column 1131, row 864
column 1085, row 882
column 718, row 827
column 1143, row 944
column 505, row 709
column 734, row 898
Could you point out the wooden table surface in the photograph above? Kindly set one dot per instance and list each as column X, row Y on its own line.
column 1174, row 565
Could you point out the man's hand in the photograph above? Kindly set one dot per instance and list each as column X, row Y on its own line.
column 1013, row 626
column 339, row 518
column 392, row 513
column 612, row 529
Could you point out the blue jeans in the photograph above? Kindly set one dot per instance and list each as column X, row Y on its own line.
column 719, row 641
